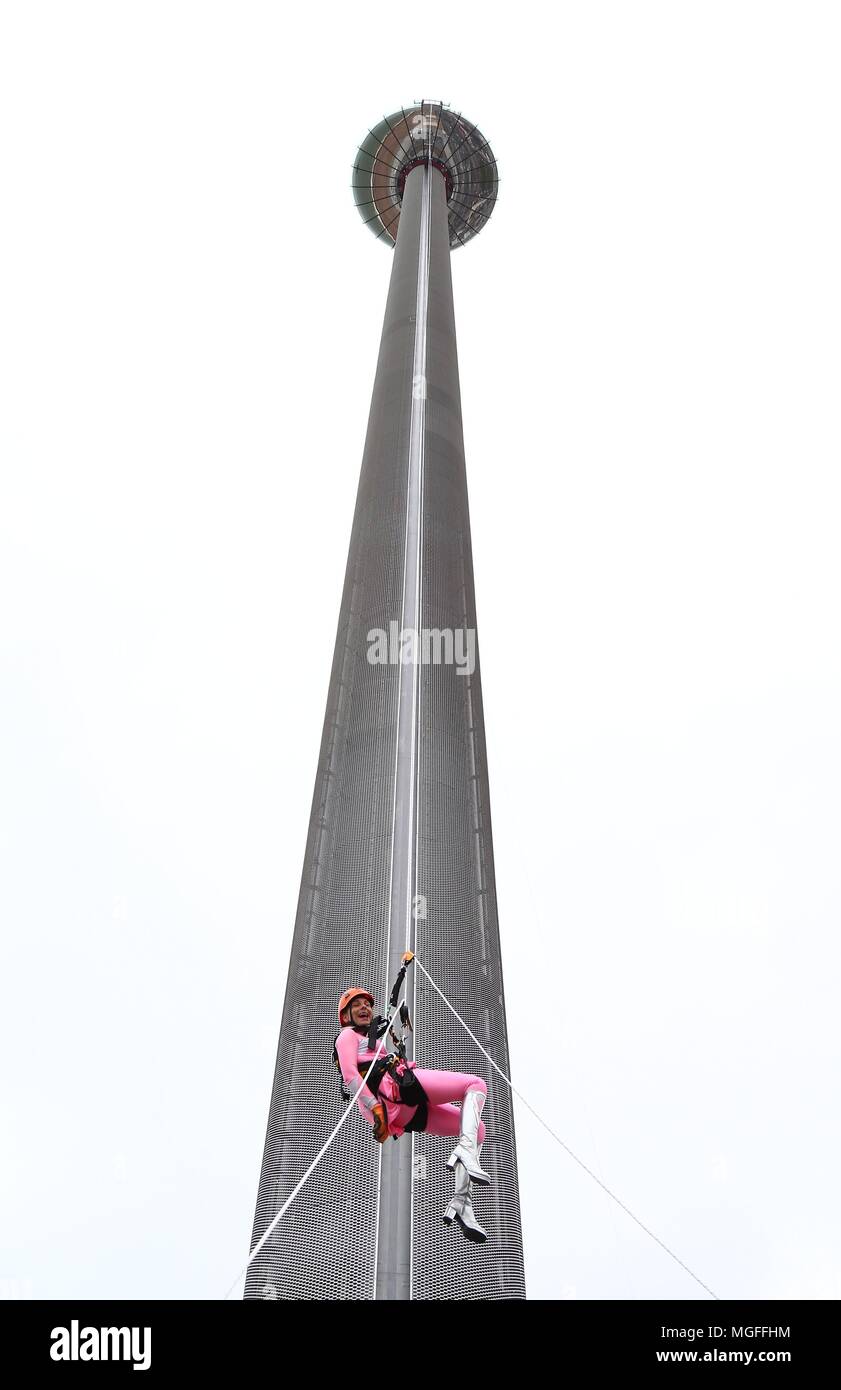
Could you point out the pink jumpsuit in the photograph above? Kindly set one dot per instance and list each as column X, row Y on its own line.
column 442, row 1087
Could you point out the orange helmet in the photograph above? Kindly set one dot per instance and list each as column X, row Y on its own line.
column 351, row 994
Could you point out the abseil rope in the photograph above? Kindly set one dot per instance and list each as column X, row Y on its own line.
column 560, row 1141
column 296, row 1189
column 322, row 1151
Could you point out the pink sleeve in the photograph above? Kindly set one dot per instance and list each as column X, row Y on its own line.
column 347, row 1049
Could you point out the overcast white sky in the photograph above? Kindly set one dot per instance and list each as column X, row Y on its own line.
column 649, row 342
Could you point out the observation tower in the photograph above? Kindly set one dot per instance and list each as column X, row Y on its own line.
column 399, row 854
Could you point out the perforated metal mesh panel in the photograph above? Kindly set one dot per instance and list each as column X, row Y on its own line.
column 325, row 1245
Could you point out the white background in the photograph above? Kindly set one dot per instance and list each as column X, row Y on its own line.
column 649, row 343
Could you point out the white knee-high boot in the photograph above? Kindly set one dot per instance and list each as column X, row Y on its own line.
column 461, row 1208
column 466, row 1150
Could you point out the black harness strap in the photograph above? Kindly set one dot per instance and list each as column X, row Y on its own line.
column 411, row 1090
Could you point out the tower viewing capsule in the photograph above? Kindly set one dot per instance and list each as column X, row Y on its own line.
column 399, row 855
column 428, row 135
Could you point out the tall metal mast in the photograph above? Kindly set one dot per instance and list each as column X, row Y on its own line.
column 399, row 854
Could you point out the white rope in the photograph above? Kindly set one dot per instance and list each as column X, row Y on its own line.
column 293, row 1194
column 560, row 1141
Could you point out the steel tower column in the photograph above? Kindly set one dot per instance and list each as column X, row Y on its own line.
column 424, row 186
column 401, row 804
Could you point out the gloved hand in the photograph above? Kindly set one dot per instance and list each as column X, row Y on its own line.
column 380, row 1123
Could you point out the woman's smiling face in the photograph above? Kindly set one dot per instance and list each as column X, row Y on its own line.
column 360, row 1011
